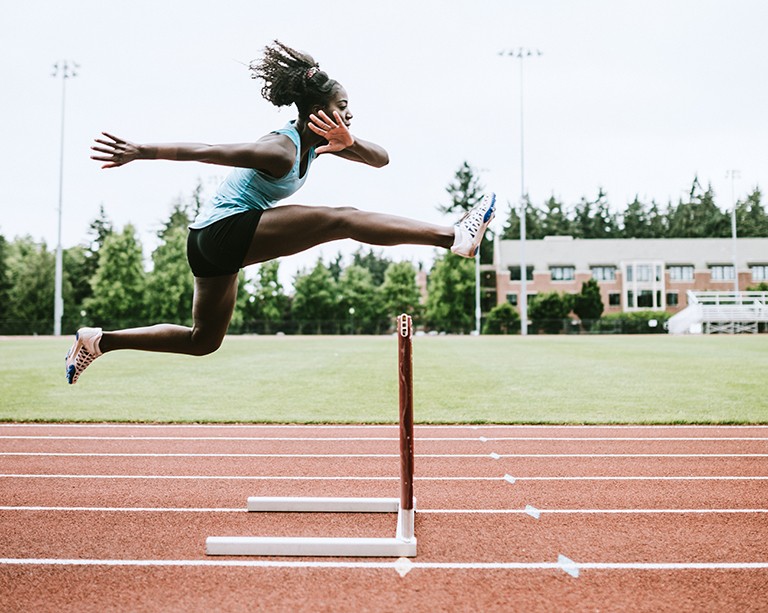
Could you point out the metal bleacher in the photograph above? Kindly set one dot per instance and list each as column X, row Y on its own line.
column 721, row 312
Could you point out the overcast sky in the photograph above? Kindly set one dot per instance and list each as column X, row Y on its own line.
column 634, row 97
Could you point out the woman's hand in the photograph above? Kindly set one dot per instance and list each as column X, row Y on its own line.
column 335, row 132
column 116, row 151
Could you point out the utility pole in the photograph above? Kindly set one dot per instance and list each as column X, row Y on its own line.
column 65, row 70
column 733, row 175
column 521, row 53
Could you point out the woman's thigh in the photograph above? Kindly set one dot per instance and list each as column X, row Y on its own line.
column 292, row 228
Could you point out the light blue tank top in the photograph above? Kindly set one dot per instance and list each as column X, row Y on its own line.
column 245, row 189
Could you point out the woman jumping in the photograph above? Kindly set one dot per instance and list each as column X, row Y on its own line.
column 241, row 226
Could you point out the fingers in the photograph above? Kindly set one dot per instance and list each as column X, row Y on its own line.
column 114, row 138
column 327, row 119
column 325, row 124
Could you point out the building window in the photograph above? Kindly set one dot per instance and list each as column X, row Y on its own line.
column 604, row 273
column 614, row 299
column 512, row 299
column 488, row 279
column 759, row 272
column 680, row 273
column 514, row 273
column 644, row 272
column 720, row 272
column 562, row 273
column 487, row 300
column 672, row 299
column 645, row 299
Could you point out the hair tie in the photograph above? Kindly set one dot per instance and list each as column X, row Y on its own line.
column 311, row 72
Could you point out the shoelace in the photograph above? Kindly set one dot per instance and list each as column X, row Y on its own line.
column 473, row 221
column 82, row 361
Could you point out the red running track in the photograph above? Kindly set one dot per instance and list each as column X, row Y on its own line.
column 534, row 518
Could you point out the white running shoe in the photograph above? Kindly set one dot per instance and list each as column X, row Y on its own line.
column 471, row 227
column 84, row 350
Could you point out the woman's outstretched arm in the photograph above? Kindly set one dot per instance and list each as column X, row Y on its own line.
column 270, row 154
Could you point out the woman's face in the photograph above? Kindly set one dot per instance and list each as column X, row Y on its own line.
column 339, row 102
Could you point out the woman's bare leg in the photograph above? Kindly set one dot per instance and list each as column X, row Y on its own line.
column 212, row 307
column 289, row 229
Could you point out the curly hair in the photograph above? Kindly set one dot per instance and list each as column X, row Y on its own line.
column 292, row 77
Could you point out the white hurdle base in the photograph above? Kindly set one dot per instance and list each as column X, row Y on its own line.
column 402, row 545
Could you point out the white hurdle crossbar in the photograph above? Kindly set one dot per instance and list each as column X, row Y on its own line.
column 403, row 544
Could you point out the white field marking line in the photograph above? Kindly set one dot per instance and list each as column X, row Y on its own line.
column 481, row 439
column 653, row 566
column 495, row 456
column 375, row 478
column 419, row 511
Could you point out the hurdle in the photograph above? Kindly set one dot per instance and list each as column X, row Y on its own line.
column 403, row 544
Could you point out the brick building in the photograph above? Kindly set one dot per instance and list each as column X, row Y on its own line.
column 633, row 274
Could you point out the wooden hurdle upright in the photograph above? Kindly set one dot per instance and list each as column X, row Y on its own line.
column 403, row 544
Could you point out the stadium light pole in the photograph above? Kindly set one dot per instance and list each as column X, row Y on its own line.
column 521, row 53
column 65, row 70
column 733, row 175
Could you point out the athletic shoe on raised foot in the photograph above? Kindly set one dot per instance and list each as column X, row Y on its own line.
column 84, row 350
column 471, row 227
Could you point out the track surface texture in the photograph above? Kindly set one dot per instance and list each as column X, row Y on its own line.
column 104, row 517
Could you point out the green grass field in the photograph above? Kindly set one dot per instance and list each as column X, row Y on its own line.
column 535, row 379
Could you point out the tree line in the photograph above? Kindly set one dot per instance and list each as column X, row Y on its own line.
column 696, row 216
column 106, row 282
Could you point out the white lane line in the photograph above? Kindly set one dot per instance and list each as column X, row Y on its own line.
column 495, row 456
column 529, row 510
column 482, row 439
column 507, row 478
column 451, row 428
column 272, row 426
column 650, row 566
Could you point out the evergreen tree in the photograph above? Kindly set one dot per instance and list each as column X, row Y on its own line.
column 451, row 296
column 594, row 219
column 465, row 190
column 374, row 262
column 98, row 231
column 699, row 217
column 751, row 216
column 534, row 223
column 635, row 222
column 554, row 220
column 335, row 267
column 119, row 285
column 588, row 304
column 582, row 219
column 400, row 292
column 658, row 221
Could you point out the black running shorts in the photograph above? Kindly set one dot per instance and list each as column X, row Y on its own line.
column 219, row 249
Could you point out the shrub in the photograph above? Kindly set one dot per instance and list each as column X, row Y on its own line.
column 502, row 319
column 635, row 322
